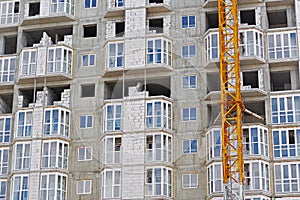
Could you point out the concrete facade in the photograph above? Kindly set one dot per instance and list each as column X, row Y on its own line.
column 119, row 99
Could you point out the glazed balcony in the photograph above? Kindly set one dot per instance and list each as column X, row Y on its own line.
column 9, row 13
column 156, row 6
column 7, row 71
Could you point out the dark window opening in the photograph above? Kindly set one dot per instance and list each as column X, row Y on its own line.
column 277, row 19
column 34, row 9
column 88, row 90
column 156, row 1
column 247, row 17
column 120, row 29
column 213, row 82
column 251, row 79
column 10, row 44
column 6, row 101
column 16, row 8
column 156, row 25
column 212, row 20
column 280, row 80
column 257, row 108
column 90, row 31
column 291, row 137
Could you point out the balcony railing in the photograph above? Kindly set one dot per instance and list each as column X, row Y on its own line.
column 7, row 69
column 59, row 60
column 251, row 44
column 282, row 45
column 9, row 11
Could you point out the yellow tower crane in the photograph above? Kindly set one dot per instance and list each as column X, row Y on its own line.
column 231, row 101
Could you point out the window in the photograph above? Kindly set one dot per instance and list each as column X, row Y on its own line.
column 159, row 182
column 255, row 141
column 215, row 182
column 90, row 31
column 287, row 177
column 7, row 69
column 53, row 186
column 120, row 29
column 89, row 60
column 3, row 161
column 257, row 176
column 20, row 187
column 189, row 82
column 159, row 115
column 57, row 122
column 55, row 154
column 9, row 12
column 159, row 51
column 22, row 156
column 159, row 147
column 5, row 129
column 189, row 180
column 211, row 42
column 84, row 153
column 286, row 142
column 59, row 60
column 90, row 3
column 189, row 114
column 251, row 43
column 3, row 185
column 113, row 149
column 247, row 17
column 188, row 51
column 213, row 144
column 111, row 183
column 88, row 90
column 190, row 146
column 188, row 21
column 29, row 59
column 24, row 123
column 62, row 6
column 277, row 18
column 115, row 55
column 285, row 109
column 34, row 9
column 84, row 187
column 113, row 117
column 282, row 45
column 86, row 121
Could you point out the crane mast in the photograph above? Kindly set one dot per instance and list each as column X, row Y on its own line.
column 231, row 101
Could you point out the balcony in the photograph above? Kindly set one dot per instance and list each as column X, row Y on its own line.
column 214, row 3
column 58, row 65
column 282, row 46
column 250, row 46
column 59, row 11
column 156, row 6
column 9, row 13
column 7, row 71
column 115, row 8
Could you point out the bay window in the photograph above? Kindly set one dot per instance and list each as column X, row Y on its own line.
column 24, row 123
column 113, row 117
column 29, row 59
column 55, row 154
column 9, row 12
column 159, row 182
column 20, row 184
column 57, row 121
column 213, row 144
column 22, row 155
column 53, row 186
column 159, row 147
column 215, row 182
column 5, row 129
column 113, row 149
column 159, row 114
column 59, row 60
column 111, row 183
column 159, row 51
column 115, row 52
column 4, row 161
column 287, row 177
column 7, row 69
column 211, row 42
column 257, row 176
column 286, row 142
column 62, row 6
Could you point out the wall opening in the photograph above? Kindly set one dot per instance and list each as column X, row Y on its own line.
column 156, row 1
column 10, row 44
column 213, row 82
column 90, row 30
column 250, row 79
column 247, row 17
column 277, row 18
column 212, row 20
column 34, row 9
column 120, row 29
column 257, row 108
column 87, row 90
column 156, row 25
column 280, row 80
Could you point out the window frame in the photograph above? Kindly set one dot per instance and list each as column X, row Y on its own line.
column 284, row 144
column 89, row 59
column 85, row 150
column 188, row 25
column 189, row 85
column 4, row 161
column 29, row 66
column 59, row 62
column 159, row 114
column 5, row 134
column 87, row 182
column 189, row 117
column 190, row 178
column 190, row 148
column 58, row 158
column 286, row 178
column 160, row 149
column 24, row 158
column 114, row 183
column 214, row 179
column 116, row 118
column 86, row 120
column 115, row 56
column 27, row 123
column 158, row 177
column 159, row 51
column 8, row 67
column 113, row 150
column 9, row 16
column 61, row 127
column 189, row 49
column 20, row 191
column 91, row 4
column 59, row 180
column 3, row 193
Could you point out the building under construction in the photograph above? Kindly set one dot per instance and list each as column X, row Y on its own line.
column 120, row 99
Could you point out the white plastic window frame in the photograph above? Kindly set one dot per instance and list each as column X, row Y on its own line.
column 214, row 177
column 24, row 156
column 289, row 177
column 164, row 114
column 160, row 149
column 4, row 160
column 188, row 25
column 8, row 67
column 84, row 121
column 85, row 153
column 188, row 143
column 60, row 60
column 189, row 178
column 186, row 82
column 84, row 187
column 115, row 55
column 7, row 12
column 88, row 60
column 211, row 42
column 258, row 175
column 28, row 65
column 112, row 149
column 5, row 131
column 189, row 117
column 3, row 187
column 164, row 174
column 24, row 129
column 159, row 51
column 189, row 48
column 59, row 189
column 22, row 189
column 90, row 4
column 63, row 123
column 55, row 154
column 62, row 7
column 213, row 144
column 116, row 178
